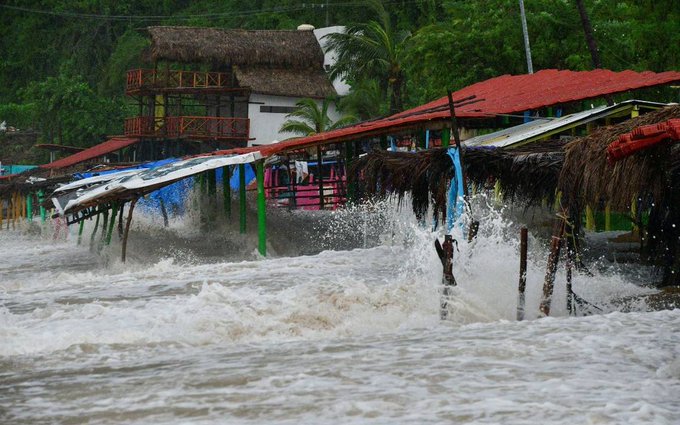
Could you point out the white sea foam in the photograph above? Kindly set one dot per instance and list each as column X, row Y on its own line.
column 349, row 336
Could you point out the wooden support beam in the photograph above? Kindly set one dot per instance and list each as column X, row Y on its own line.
column 523, row 246
column 120, row 220
column 127, row 229
column 551, row 269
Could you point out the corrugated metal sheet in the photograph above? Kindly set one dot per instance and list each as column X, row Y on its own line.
column 101, row 149
column 543, row 126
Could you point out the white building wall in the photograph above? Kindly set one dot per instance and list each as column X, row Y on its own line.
column 330, row 57
column 264, row 126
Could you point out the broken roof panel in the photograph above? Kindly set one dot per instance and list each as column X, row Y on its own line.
column 96, row 151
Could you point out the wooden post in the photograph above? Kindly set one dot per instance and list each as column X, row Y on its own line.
column 261, row 210
column 23, row 205
column 127, row 229
column 120, row 220
column 10, row 211
column 226, row 190
column 445, row 253
column 319, row 163
column 523, row 245
column 570, row 293
column 456, row 139
column 242, row 197
column 553, row 259
column 607, row 218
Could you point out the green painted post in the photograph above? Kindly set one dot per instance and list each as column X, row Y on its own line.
column 212, row 183
column 94, row 232
column 203, row 183
column 105, row 222
column 446, row 137
column 226, row 191
column 111, row 224
column 80, row 231
column 43, row 211
column 261, row 210
column 29, row 206
column 242, row 196
column 211, row 176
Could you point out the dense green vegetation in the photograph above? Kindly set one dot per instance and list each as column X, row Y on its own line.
column 63, row 62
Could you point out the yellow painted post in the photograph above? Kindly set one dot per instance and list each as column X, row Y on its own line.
column 607, row 218
column 159, row 111
column 590, row 219
column 633, row 215
column 497, row 191
column 635, row 112
column 15, row 209
column 558, row 201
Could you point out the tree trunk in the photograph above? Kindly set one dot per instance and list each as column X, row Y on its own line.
column 396, row 98
column 590, row 38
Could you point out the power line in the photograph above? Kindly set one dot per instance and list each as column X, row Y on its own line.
column 67, row 14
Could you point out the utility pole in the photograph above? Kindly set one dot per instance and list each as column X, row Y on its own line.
column 527, row 47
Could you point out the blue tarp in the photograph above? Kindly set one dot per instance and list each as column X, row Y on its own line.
column 15, row 169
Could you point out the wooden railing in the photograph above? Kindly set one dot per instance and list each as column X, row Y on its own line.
column 187, row 126
column 147, row 79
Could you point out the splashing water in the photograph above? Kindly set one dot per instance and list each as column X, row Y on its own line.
column 196, row 328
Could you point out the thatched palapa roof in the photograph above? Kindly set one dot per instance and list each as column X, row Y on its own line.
column 276, row 62
column 588, row 178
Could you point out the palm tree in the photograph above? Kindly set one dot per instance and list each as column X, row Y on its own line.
column 312, row 119
column 590, row 38
column 372, row 50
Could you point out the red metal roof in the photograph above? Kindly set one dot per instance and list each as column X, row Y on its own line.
column 506, row 94
column 101, row 149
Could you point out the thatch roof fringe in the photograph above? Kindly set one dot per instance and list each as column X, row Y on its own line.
column 222, row 47
column 588, row 179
